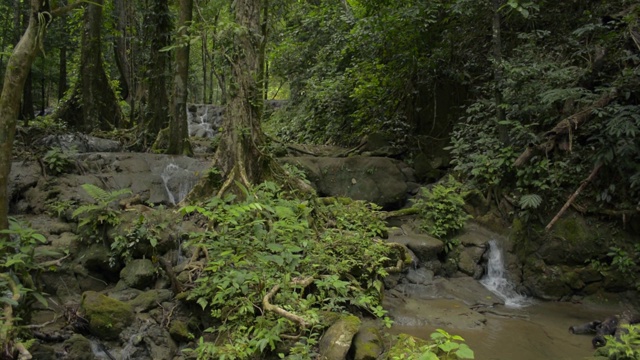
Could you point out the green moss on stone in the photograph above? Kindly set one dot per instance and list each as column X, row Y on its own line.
column 107, row 317
column 179, row 331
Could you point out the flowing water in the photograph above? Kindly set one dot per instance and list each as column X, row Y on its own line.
column 177, row 182
column 496, row 281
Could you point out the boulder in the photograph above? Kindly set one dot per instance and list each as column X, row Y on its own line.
column 469, row 261
column 375, row 179
column 368, row 343
column 336, row 341
column 138, row 274
column 78, row 347
column 81, row 143
column 107, row 317
column 426, row 248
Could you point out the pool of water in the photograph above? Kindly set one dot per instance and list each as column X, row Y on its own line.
column 536, row 332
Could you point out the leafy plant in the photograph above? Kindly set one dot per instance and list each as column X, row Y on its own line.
column 265, row 249
column 96, row 218
column 626, row 346
column 141, row 232
column 443, row 346
column 59, row 207
column 58, row 160
column 441, row 208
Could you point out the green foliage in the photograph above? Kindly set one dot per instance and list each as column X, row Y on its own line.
column 142, row 231
column 58, row 160
column 530, row 201
column 59, row 207
column 626, row 347
column 266, row 244
column 96, row 218
column 442, row 208
column 443, row 346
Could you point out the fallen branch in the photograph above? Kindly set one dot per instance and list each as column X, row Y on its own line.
column 266, row 304
column 574, row 196
column 398, row 213
column 565, row 126
column 401, row 262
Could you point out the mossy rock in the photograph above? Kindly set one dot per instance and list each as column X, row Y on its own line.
column 179, row 331
column 107, row 317
column 368, row 344
column 139, row 274
column 78, row 347
column 336, row 342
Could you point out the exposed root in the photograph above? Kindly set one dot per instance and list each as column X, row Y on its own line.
column 401, row 262
column 267, row 306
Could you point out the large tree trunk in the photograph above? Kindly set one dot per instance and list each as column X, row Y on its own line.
column 93, row 104
column 496, row 39
column 18, row 68
column 121, row 46
column 178, row 127
column 238, row 155
column 158, row 21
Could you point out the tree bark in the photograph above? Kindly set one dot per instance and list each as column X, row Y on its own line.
column 496, row 38
column 120, row 47
column 178, row 128
column 15, row 76
column 93, row 104
column 238, row 156
column 158, row 23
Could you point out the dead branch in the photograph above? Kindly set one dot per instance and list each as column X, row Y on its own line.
column 51, row 263
column 384, row 215
column 266, row 304
column 574, row 196
column 401, row 262
column 565, row 126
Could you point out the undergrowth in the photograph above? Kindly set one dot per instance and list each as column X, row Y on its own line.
column 276, row 266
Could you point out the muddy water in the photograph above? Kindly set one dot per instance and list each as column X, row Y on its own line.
column 537, row 332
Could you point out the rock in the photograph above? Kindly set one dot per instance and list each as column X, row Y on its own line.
column 374, row 179
column 336, row 341
column 469, row 261
column 107, row 317
column 147, row 340
column 78, row 347
column 425, row 247
column 139, row 274
column 179, row 331
column 367, row 343
column 424, row 170
column 434, row 313
column 81, row 143
column 420, row 276
column 150, row 299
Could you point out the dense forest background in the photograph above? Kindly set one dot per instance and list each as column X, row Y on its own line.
column 532, row 107
column 531, row 95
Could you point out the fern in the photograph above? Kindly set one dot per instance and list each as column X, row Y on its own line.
column 100, row 215
column 530, row 201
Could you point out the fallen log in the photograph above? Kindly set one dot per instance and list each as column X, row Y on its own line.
column 585, row 329
column 565, row 126
column 612, row 326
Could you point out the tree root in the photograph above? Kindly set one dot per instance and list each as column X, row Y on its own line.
column 401, row 262
column 267, row 306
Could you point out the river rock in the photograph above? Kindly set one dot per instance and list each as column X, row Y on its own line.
column 150, row 299
column 469, row 261
column 138, row 274
column 107, row 317
column 78, row 347
column 420, row 276
column 336, row 341
column 367, row 343
column 425, row 247
column 375, row 179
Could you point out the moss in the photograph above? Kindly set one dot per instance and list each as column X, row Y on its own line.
column 571, row 230
column 107, row 317
column 179, row 331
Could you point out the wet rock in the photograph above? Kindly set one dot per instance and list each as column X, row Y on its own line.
column 469, row 261
column 146, row 340
column 425, row 247
column 107, row 317
column 367, row 343
column 336, row 341
column 374, row 179
column 138, row 274
column 440, row 313
column 81, row 143
column 420, row 276
column 150, row 299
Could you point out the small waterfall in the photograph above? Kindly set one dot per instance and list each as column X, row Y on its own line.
column 496, row 281
column 177, row 182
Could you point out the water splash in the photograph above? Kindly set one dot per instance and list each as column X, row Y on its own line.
column 177, row 182
column 496, row 281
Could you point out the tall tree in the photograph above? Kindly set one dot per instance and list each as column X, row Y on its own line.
column 158, row 27
column 93, row 104
column 15, row 76
column 178, row 126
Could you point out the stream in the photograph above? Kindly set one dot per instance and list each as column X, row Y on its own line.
column 495, row 321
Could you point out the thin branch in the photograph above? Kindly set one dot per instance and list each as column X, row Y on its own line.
column 574, row 196
column 266, row 304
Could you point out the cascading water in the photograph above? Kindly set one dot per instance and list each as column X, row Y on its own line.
column 496, row 281
column 186, row 180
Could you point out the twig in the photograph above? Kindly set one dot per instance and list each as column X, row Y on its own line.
column 573, row 197
column 282, row 312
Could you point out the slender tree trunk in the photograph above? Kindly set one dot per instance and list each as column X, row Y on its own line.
column 62, row 79
column 178, row 127
column 497, row 70
column 120, row 47
column 158, row 21
column 26, row 109
column 15, row 77
column 262, row 52
column 238, row 155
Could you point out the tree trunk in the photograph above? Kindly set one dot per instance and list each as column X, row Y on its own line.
column 93, row 104
column 158, row 21
column 120, row 47
column 496, row 38
column 15, row 76
column 178, row 127
column 62, row 79
column 238, row 155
